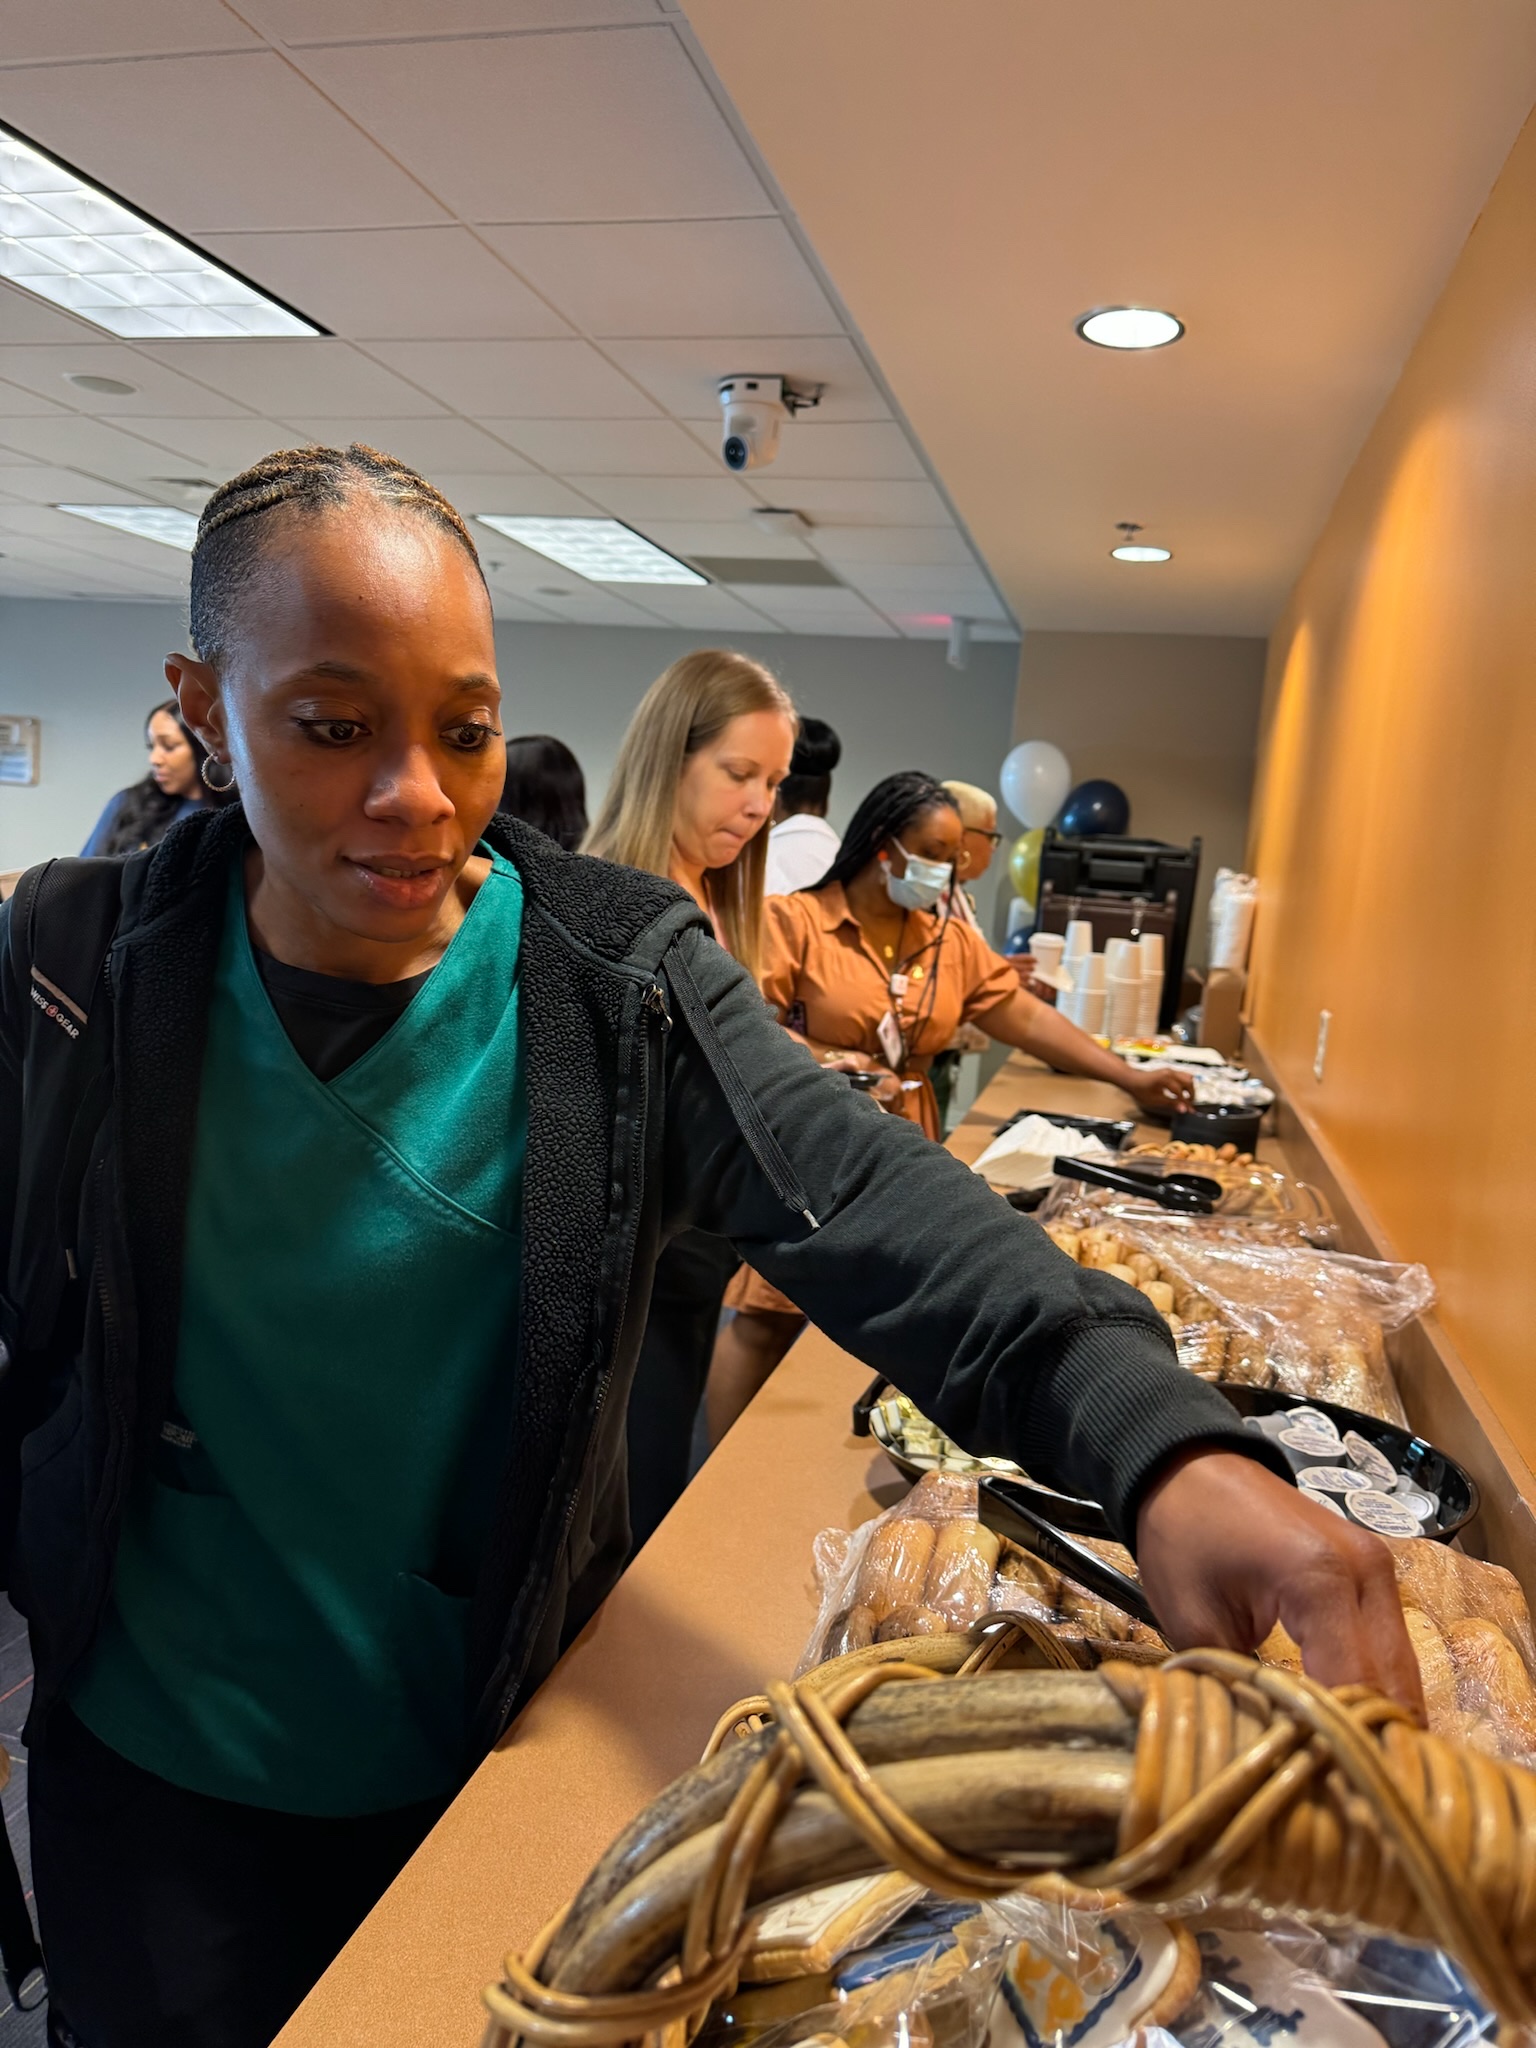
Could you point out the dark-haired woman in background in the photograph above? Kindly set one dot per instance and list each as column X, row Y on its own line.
column 174, row 788
column 546, row 789
column 864, row 962
column 801, row 844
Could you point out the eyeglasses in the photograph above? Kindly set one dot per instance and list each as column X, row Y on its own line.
column 975, row 832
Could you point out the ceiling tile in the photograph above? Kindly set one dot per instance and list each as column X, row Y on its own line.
column 930, row 546
column 432, row 446
column 209, row 143
column 725, row 537
column 683, row 375
column 23, row 318
column 472, row 493
column 810, row 447
column 215, row 448
column 517, row 611
column 18, row 404
column 707, row 610
column 860, row 504
column 792, row 597
column 76, row 443
column 608, row 447
column 315, row 21
column 39, row 33
column 372, row 283
column 612, row 124
column 590, row 605
column 868, row 626
column 518, row 379
column 157, row 391
column 539, row 496
column 297, row 379
column 36, row 483
column 707, row 277
column 640, row 498
column 928, row 588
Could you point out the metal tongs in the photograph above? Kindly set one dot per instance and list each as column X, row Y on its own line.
column 1190, row 1194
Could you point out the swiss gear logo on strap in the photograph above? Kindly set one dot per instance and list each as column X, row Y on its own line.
column 55, row 1005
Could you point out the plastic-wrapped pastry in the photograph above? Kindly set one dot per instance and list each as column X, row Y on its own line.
column 1436, row 1670
column 895, row 1566
column 903, row 1622
column 1160, row 1294
column 960, row 1573
column 1493, row 1689
column 1144, row 1266
column 1064, row 1239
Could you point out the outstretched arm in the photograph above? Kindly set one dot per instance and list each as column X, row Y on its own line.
column 916, row 1267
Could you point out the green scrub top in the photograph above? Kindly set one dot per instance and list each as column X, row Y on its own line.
column 289, row 1619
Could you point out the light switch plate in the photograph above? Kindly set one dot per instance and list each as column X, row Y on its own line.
column 1324, row 1019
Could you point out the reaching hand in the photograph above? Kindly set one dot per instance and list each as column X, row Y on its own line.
column 887, row 1090
column 1160, row 1088
column 1227, row 1549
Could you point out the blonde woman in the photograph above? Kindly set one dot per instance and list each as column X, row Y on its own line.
column 691, row 798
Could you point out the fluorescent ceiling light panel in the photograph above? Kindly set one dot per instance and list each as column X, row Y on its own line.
column 75, row 245
column 1129, row 327
column 149, row 522
column 602, row 550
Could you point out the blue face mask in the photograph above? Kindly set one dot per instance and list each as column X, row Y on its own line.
column 921, row 886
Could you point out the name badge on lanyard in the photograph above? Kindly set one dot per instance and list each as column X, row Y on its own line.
column 888, row 1031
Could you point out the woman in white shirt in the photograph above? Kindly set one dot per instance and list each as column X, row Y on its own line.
column 802, row 845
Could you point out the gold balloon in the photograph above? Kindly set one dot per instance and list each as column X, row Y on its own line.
column 1024, row 863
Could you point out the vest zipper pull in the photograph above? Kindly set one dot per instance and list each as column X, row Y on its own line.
column 655, row 1000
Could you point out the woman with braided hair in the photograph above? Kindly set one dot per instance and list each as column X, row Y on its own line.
column 869, row 960
column 339, row 1137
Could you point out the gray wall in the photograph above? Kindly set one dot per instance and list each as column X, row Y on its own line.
column 1172, row 717
column 91, row 671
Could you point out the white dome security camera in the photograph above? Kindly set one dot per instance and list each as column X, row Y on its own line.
column 754, row 412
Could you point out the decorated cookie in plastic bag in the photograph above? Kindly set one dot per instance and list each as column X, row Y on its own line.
column 1133, row 1971
column 1252, row 1995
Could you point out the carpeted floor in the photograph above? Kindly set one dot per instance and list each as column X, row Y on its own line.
column 17, row 2029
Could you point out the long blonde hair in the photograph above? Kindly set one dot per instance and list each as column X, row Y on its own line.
column 687, row 706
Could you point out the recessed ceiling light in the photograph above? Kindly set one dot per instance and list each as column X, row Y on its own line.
column 602, row 550
column 149, row 522
column 109, row 387
column 1129, row 327
column 552, row 590
column 1130, row 549
column 75, row 245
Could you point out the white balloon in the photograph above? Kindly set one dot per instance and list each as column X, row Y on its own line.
column 1035, row 779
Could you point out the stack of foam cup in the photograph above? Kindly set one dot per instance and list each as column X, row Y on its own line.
column 1092, row 995
column 1123, row 988
column 1079, row 944
column 1150, row 947
column 1047, row 948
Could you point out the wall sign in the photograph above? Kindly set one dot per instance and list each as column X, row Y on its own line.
column 19, row 738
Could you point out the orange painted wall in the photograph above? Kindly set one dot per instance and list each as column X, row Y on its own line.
column 1394, row 823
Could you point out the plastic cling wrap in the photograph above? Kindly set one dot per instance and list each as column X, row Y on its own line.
column 929, row 1567
column 1281, row 1313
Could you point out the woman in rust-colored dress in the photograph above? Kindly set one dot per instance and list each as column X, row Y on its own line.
column 866, row 962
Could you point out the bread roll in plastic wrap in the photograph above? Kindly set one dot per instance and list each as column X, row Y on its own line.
column 961, row 1571
column 895, row 1566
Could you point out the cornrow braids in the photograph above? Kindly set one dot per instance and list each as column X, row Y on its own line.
column 884, row 814
column 231, row 535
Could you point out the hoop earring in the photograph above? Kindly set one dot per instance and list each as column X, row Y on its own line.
column 219, row 788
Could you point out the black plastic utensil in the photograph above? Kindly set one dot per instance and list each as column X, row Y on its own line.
column 1004, row 1506
column 1190, row 1194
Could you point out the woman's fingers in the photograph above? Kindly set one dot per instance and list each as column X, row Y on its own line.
column 1227, row 1549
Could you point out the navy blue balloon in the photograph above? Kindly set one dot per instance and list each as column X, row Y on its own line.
column 1018, row 944
column 1095, row 810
